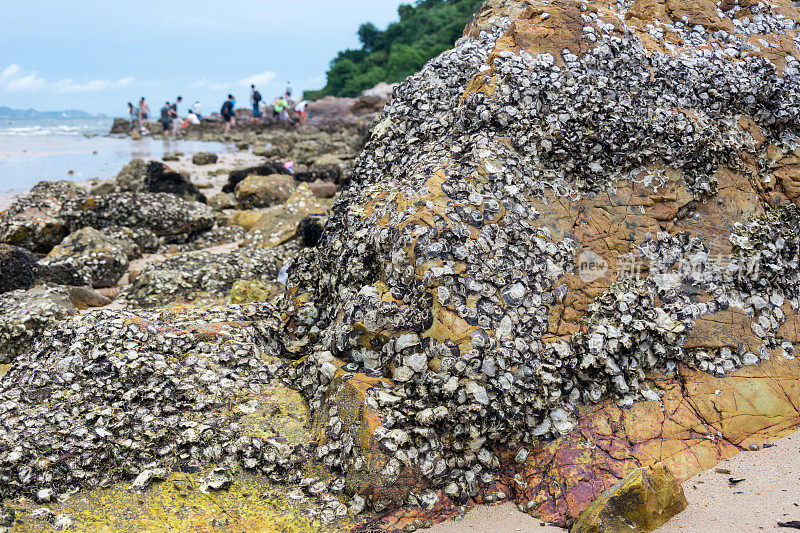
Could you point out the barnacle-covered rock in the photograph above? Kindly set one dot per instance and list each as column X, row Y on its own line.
column 26, row 314
column 161, row 178
column 191, row 275
column 33, row 221
column 542, row 218
column 144, row 393
column 40, row 220
column 104, row 257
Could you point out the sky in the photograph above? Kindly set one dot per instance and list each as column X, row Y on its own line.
column 98, row 55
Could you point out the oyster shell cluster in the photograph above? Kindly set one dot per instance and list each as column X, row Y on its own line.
column 436, row 277
column 498, row 132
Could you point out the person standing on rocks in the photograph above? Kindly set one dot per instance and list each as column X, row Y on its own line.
column 302, row 110
column 198, row 109
column 173, row 115
column 165, row 118
column 288, row 93
column 255, row 101
column 133, row 114
column 228, row 112
column 144, row 109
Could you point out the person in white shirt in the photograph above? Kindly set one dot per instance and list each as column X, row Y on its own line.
column 302, row 110
column 198, row 109
column 192, row 117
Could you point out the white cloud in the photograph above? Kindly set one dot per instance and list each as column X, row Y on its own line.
column 200, row 83
column 264, row 78
column 14, row 79
column 71, row 86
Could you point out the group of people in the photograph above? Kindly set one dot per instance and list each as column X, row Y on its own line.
column 169, row 118
column 172, row 123
column 280, row 107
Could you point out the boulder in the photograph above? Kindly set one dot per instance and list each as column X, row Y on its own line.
column 161, row 178
column 248, row 219
column 197, row 275
column 153, row 176
column 166, row 215
column 120, row 125
column 279, row 225
column 643, row 501
column 105, row 257
column 204, row 158
column 26, row 314
column 264, row 191
column 323, row 189
column 33, row 221
column 222, row 200
column 86, row 298
column 535, row 247
column 267, row 169
column 372, row 100
column 170, row 157
column 18, row 268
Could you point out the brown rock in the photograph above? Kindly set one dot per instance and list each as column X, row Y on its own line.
column 323, row 189
column 264, row 191
column 641, row 502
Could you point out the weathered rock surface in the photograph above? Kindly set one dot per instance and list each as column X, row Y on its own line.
column 49, row 213
column 26, row 314
column 196, row 275
column 103, row 256
column 204, row 158
column 569, row 250
column 264, row 191
column 641, row 502
column 275, row 228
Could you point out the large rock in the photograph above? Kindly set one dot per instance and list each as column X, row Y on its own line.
column 18, row 268
column 197, row 275
column 164, row 214
column 267, row 169
column 152, row 176
column 49, row 213
column 104, row 257
column 264, row 191
column 27, row 314
column 161, row 178
column 560, row 216
column 279, row 225
column 33, row 221
column 204, row 158
column 641, row 502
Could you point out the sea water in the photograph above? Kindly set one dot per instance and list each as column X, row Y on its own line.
column 32, row 150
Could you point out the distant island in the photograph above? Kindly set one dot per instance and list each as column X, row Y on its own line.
column 7, row 112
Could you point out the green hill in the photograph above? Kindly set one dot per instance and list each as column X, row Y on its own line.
column 425, row 29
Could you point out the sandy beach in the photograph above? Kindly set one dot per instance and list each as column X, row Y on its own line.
column 768, row 494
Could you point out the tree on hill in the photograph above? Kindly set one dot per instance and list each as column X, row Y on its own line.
column 424, row 30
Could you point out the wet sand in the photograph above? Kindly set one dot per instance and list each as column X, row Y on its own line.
column 770, row 493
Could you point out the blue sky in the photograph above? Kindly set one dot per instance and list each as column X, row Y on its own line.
column 98, row 55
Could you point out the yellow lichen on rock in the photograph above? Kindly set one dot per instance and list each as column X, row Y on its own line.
column 641, row 502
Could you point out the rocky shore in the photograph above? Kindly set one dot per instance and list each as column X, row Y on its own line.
column 560, row 270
